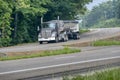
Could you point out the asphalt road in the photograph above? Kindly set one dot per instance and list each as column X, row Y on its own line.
column 9, row 70
column 95, row 34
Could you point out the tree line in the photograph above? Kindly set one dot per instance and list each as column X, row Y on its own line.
column 107, row 14
column 19, row 18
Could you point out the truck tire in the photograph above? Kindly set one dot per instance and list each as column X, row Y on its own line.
column 56, row 40
column 77, row 36
column 66, row 38
column 40, row 42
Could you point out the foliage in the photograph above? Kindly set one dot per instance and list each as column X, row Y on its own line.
column 5, row 18
column 117, row 8
column 27, row 16
column 107, row 23
column 103, row 15
column 66, row 9
column 65, row 50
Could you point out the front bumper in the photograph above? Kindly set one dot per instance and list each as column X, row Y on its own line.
column 46, row 39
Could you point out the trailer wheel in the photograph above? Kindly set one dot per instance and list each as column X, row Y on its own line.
column 77, row 36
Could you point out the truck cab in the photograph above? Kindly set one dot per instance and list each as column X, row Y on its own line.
column 51, row 31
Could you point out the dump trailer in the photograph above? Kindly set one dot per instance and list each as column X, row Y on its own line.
column 58, row 30
column 72, row 29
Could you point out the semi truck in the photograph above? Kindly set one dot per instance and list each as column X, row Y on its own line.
column 58, row 30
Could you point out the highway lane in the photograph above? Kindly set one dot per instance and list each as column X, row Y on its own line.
column 16, row 66
column 95, row 34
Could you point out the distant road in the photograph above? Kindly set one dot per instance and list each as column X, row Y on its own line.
column 95, row 34
column 17, row 69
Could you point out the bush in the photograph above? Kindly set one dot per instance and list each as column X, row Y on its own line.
column 108, row 23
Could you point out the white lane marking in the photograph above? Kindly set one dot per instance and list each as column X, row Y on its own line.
column 72, row 63
column 65, row 57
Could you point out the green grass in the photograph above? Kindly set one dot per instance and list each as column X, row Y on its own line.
column 84, row 31
column 113, row 74
column 65, row 50
column 105, row 43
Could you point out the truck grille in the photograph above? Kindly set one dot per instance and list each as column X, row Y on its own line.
column 46, row 33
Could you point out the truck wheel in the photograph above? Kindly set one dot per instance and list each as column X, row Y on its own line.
column 66, row 38
column 40, row 42
column 56, row 39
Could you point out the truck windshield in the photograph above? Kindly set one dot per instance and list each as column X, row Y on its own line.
column 49, row 25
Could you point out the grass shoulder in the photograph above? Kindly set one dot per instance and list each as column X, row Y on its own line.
column 65, row 50
column 104, row 75
column 106, row 43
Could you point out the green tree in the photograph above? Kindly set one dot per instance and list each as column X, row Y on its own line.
column 117, row 8
column 25, row 13
column 5, row 18
column 66, row 9
column 100, row 14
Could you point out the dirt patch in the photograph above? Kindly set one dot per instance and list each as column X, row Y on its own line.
column 2, row 55
column 24, row 53
column 116, row 38
column 83, row 44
